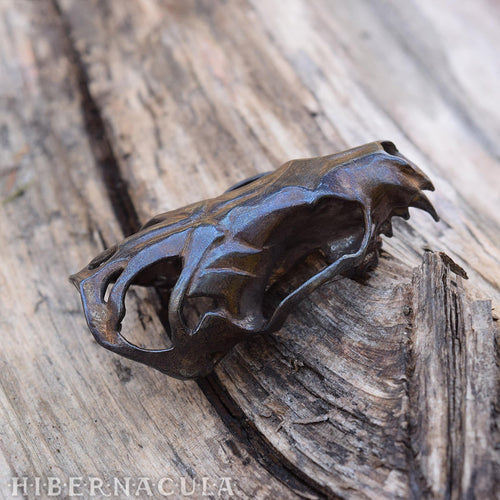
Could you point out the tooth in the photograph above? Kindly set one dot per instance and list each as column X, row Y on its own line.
column 402, row 212
column 426, row 184
column 423, row 203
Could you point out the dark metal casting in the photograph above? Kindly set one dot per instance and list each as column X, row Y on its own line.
column 216, row 260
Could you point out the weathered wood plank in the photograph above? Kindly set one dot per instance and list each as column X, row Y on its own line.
column 66, row 407
column 196, row 96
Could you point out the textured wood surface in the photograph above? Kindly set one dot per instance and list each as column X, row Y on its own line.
column 113, row 111
column 453, row 387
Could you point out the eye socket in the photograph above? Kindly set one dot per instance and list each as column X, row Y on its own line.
column 389, row 147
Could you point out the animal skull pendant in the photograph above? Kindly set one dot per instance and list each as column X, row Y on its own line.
column 219, row 257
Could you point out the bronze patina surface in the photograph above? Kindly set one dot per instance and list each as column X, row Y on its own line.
column 217, row 259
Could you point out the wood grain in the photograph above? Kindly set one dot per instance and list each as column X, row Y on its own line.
column 115, row 111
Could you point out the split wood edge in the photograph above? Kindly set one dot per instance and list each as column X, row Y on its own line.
column 453, row 386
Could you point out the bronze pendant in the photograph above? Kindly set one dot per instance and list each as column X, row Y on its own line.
column 218, row 258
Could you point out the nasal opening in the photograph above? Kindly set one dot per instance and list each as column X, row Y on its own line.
column 389, row 147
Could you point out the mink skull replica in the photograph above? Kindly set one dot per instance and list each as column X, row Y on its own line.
column 219, row 257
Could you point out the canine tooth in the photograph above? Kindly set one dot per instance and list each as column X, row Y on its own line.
column 402, row 212
column 423, row 203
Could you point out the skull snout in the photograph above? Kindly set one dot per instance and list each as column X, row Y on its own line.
column 103, row 316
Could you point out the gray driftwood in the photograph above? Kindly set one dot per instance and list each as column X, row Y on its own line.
column 113, row 111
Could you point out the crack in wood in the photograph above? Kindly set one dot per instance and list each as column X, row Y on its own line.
column 99, row 141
